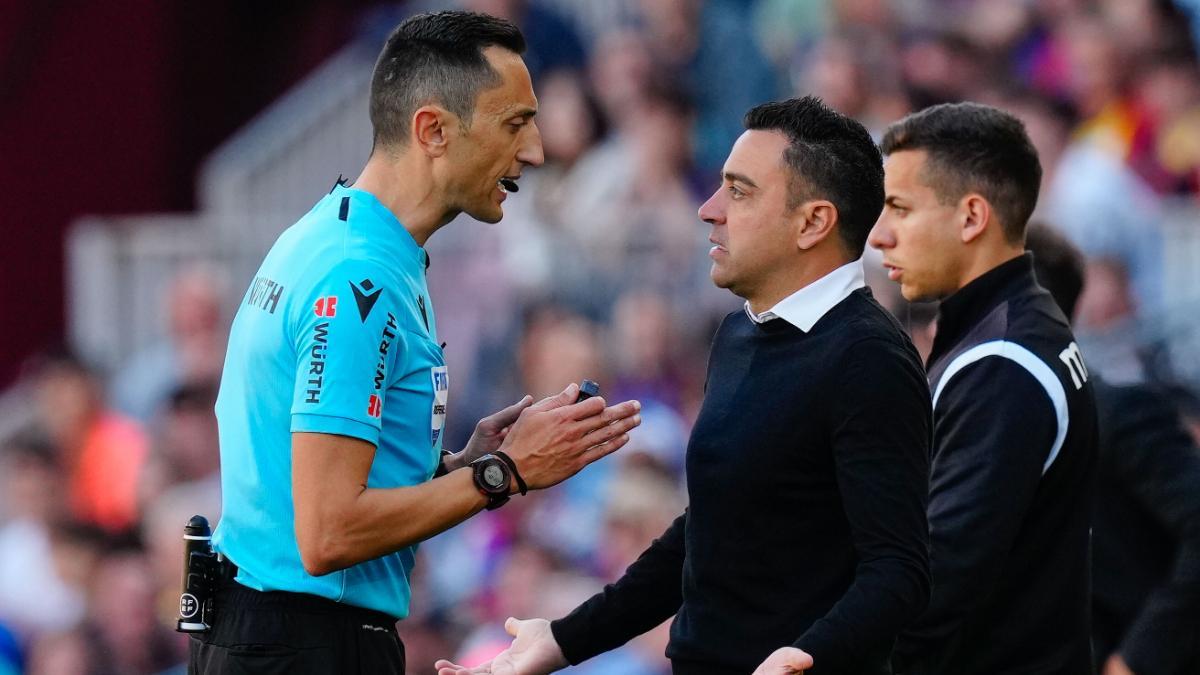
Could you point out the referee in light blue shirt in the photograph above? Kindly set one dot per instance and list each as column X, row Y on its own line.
column 334, row 394
column 330, row 328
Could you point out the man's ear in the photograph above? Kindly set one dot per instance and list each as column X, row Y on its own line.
column 815, row 220
column 975, row 215
column 430, row 124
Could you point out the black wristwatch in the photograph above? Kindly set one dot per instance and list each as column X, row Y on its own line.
column 492, row 478
column 441, row 469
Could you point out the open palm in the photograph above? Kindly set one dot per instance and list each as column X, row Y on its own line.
column 785, row 661
column 533, row 652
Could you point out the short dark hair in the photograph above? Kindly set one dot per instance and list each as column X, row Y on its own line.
column 1057, row 264
column 435, row 58
column 831, row 156
column 974, row 148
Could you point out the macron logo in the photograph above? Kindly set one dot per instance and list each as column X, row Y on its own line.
column 365, row 294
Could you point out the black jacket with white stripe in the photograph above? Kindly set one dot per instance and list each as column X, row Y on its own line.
column 1011, row 486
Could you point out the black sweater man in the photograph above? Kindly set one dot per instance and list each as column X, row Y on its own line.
column 1014, row 459
column 1146, row 522
column 805, row 545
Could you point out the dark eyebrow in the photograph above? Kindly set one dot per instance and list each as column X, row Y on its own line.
column 739, row 178
column 524, row 113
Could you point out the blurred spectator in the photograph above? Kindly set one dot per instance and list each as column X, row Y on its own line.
column 1111, row 329
column 709, row 45
column 185, row 447
column 181, row 479
column 622, row 76
column 783, row 27
column 123, row 632
column 1097, row 83
column 558, row 345
column 102, row 452
column 1142, row 27
column 11, row 657
column 639, row 506
column 192, row 350
column 462, row 561
column 536, row 247
column 997, row 28
column 940, row 68
column 855, row 73
column 1094, row 198
column 1166, row 151
column 53, row 600
column 641, row 346
column 61, row 653
column 1146, row 525
column 634, row 210
column 34, row 596
column 561, row 346
column 550, row 38
column 519, row 588
column 1106, row 301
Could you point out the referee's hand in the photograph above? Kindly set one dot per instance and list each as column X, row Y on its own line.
column 491, row 430
column 554, row 438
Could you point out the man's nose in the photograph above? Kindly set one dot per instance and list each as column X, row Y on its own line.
column 713, row 210
column 531, row 150
column 881, row 235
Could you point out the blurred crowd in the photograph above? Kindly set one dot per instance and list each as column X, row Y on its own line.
column 599, row 271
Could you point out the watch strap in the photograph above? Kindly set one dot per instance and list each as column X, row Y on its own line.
column 512, row 466
column 441, row 469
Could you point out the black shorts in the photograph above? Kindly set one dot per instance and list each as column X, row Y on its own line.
column 275, row 632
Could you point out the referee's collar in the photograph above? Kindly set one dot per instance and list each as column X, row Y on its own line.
column 384, row 216
column 804, row 308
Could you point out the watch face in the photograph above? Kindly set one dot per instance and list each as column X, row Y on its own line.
column 493, row 476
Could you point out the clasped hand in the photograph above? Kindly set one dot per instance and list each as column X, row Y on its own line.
column 553, row 439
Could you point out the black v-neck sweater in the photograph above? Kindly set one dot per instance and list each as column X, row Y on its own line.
column 807, row 472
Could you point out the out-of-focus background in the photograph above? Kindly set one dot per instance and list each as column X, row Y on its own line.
column 150, row 152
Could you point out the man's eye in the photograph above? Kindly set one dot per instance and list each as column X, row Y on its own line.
column 735, row 192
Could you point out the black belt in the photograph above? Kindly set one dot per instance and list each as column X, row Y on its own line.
column 233, row 595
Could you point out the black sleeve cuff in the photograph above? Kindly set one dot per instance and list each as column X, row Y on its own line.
column 571, row 634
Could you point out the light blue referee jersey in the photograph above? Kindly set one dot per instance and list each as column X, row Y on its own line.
column 335, row 335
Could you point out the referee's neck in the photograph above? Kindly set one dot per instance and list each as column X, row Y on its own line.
column 404, row 184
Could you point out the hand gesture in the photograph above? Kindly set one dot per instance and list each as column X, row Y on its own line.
column 555, row 438
column 1117, row 666
column 533, row 652
column 783, row 661
column 491, row 430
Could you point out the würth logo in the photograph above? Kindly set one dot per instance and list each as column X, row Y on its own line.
column 326, row 307
column 374, row 406
column 264, row 294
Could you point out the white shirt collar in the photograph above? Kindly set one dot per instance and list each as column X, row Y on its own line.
column 806, row 306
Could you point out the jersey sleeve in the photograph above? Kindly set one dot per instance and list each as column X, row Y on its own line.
column 995, row 428
column 347, row 344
